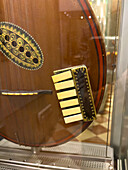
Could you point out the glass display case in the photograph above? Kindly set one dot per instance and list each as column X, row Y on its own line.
column 120, row 119
column 58, row 65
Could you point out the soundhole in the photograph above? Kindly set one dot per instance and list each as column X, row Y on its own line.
column 1, row 32
column 28, row 54
column 35, row 60
column 21, row 49
column 7, row 37
column 14, row 43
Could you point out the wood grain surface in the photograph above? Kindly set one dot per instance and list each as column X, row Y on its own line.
column 66, row 39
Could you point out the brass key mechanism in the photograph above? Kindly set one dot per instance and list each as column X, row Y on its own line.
column 74, row 94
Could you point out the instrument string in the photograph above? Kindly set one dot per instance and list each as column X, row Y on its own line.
column 9, row 86
column 30, row 117
column 21, row 86
column 16, row 80
column 34, row 80
column 3, row 82
column 5, row 67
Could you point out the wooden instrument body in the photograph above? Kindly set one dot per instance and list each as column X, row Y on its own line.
column 68, row 37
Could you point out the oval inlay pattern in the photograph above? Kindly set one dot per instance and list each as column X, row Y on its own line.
column 20, row 47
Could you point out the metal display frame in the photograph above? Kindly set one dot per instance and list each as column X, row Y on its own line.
column 86, row 156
